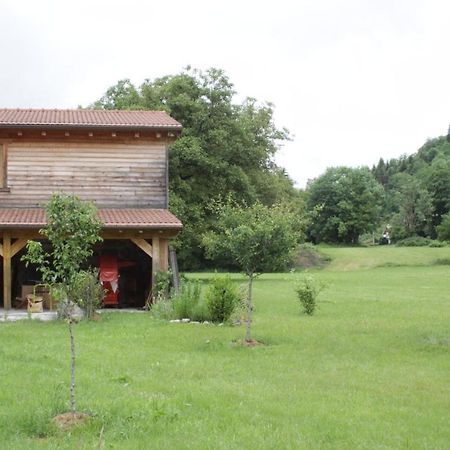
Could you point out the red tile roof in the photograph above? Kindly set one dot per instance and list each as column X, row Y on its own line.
column 111, row 218
column 86, row 118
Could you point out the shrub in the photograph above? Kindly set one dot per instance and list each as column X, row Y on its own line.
column 307, row 292
column 222, row 298
column 163, row 309
column 414, row 241
column 186, row 301
column 443, row 229
column 162, row 286
column 437, row 244
column 88, row 291
column 441, row 262
column 200, row 311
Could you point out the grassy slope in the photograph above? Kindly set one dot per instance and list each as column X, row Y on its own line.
column 370, row 370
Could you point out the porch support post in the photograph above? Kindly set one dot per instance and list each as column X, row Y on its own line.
column 164, row 255
column 156, row 257
column 6, row 271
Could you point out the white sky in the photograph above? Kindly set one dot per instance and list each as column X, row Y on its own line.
column 352, row 80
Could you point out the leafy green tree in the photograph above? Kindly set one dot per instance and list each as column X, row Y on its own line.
column 414, row 207
column 258, row 238
column 438, row 185
column 72, row 230
column 443, row 229
column 226, row 148
column 348, row 203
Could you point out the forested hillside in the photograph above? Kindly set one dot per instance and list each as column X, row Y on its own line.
column 226, row 150
column 417, row 189
column 407, row 197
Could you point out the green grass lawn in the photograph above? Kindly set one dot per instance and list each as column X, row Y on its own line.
column 371, row 370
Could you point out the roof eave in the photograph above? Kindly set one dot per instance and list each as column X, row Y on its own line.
column 91, row 127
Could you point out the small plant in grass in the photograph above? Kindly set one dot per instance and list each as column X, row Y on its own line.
column 186, row 301
column 307, row 292
column 222, row 298
column 163, row 309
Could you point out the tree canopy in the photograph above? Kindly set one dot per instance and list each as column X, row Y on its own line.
column 347, row 203
column 257, row 238
column 226, row 148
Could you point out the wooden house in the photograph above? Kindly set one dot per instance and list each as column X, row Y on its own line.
column 116, row 159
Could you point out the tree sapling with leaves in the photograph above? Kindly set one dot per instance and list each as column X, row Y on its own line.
column 258, row 238
column 72, row 230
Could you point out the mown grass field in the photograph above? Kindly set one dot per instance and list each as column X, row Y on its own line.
column 371, row 370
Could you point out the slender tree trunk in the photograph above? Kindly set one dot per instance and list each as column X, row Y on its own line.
column 72, row 364
column 248, row 336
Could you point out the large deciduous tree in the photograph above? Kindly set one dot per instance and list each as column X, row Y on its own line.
column 347, row 203
column 257, row 238
column 226, row 148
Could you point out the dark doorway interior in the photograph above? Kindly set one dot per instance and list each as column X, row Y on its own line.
column 134, row 278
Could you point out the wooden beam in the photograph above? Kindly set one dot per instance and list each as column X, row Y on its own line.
column 18, row 245
column 3, row 165
column 6, row 271
column 143, row 245
column 23, row 234
column 1, row 250
column 138, row 234
column 156, row 255
column 164, row 255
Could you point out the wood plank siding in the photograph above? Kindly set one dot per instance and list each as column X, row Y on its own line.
column 112, row 175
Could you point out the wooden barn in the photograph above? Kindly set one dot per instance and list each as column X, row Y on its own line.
column 116, row 159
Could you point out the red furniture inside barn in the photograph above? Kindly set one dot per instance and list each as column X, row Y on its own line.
column 109, row 277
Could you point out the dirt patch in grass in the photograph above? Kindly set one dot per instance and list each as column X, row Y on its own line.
column 309, row 257
column 250, row 343
column 68, row 420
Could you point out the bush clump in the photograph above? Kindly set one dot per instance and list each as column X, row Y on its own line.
column 189, row 304
column 88, row 292
column 308, row 290
column 222, row 298
column 438, row 244
column 163, row 309
column 414, row 241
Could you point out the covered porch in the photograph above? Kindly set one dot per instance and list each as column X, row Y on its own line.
column 146, row 230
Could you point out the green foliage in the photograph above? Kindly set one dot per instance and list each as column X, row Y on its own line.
column 414, row 207
column 257, row 238
column 188, row 303
column 226, row 148
column 437, row 244
column 162, row 285
column 222, row 298
column 414, row 241
column 72, row 229
column 163, row 309
column 443, row 229
column 308, row 289
column 88, row 292
column 348, row 203
column 417, row 189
